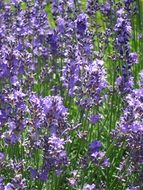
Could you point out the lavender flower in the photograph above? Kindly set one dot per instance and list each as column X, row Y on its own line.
column 92, row 6
column 16, row 111
column 95, row 146
column 95, row 77
column 2, row 157
column 89, row 187
column 141, row 79
column 133, row 58
column 123, row 30
column 125, row 84
column 94, row 118
column 17, row 183
column 81, row 23
column 133, row 188
column 55, row 157
column 130, row 129
column 45, row 57
column 130, row 125
column 106, row 8
column 98, row 157
column 1, row 183
column 123, row 34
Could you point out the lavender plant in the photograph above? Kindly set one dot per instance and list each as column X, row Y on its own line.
column 71, row 85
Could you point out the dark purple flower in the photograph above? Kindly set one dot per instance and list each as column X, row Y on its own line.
column 81, row 23
column 52, row 40
column 94, row 118
column 43, row 176
column 33, row 173
column 92, row 6
column 95, row 146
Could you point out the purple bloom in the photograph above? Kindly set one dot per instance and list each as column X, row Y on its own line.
column 92, row 6
column 133, row 188
column 95, row 77
column 128, row 7
column 60, row 24
column 43, row 176
column 81, row 23
column 106, row 8
column 33, row 173
column 89, row 187
column 125, row 84
column 130, row 129
column 14, row 80
column 106, row 163
column 2, row 157
column 71, row 4
column 133, row 58
column 123, row 31
column 1, row 183
column 97, row 156
column 95, row 146
column 94, row 118
column 52, row 40
column 9, row 186
column 55, row 157
column 17, row 183
column 14, row 2
column 123, row 35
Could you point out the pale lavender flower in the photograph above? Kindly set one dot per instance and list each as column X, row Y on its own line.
column 17, row 183
column 55, row 156
column 89, row 187
column 2, row 157
column 130, row 129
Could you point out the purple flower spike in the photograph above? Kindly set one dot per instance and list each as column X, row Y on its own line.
column 81, row 23
column 95, row 146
